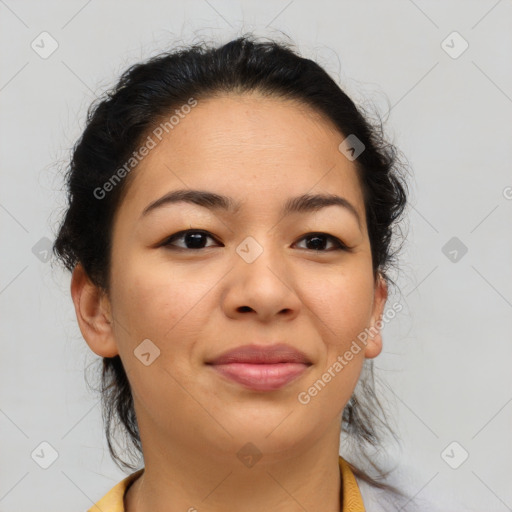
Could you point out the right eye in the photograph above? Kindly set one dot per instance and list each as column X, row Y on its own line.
column 193, row 239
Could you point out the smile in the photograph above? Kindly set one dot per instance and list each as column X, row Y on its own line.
column 261, row 377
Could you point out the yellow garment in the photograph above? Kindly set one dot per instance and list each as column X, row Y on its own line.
column 352, row 499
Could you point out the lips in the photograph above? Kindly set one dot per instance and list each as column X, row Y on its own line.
column 261, row 354
column 261, row 368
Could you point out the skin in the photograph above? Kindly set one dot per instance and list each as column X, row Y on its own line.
column 195, row 304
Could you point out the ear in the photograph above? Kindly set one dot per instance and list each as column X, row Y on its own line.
column 374, row 343
column 93, row 313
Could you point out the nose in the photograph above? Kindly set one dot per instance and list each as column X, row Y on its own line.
column 264, row 286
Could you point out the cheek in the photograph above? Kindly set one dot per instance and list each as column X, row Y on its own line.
column 165, row 308
column 156, row 302
column 342, row 312
column 342, row 305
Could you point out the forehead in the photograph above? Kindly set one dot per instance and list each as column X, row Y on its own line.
column 249, row 146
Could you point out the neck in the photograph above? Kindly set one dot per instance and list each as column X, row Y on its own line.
column 204, row 480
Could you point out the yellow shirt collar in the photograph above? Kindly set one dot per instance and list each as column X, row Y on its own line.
column 113, row 501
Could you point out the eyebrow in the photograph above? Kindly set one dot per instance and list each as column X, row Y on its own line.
column 301, row 204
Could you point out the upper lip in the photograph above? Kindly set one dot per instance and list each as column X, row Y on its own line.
column 262, row 354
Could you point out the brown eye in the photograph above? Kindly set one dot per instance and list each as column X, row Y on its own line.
column 318, row 242
column 192, row 238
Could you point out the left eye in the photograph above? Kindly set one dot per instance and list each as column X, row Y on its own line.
column 318, row 244
column 194, row 240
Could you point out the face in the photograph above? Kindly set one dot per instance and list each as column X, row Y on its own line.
column 257, row 275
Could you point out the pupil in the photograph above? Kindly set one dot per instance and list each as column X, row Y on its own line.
column 196, row 240
column 315, row 246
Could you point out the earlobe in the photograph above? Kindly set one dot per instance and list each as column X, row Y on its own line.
column 374, row 341
column 93, row 313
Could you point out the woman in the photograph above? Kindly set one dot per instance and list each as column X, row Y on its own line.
column 229, row 227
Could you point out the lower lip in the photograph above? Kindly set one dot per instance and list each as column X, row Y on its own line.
column 262, row 377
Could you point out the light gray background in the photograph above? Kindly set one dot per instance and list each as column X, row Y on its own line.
column 447, row 355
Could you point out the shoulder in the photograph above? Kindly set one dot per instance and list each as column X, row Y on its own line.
column 113, row 501
column 381, row 500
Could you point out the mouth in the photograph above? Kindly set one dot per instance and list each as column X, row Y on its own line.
column 260, row 367
column 261, row 377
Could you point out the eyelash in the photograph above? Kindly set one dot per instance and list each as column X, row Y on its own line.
column 167, row 242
